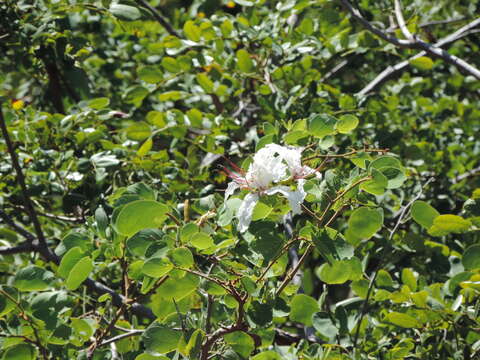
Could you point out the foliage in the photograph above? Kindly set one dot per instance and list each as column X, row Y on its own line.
column 121, row 121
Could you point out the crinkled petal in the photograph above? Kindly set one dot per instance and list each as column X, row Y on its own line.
column 232, row 186
column 245, row 211
column 295, row 198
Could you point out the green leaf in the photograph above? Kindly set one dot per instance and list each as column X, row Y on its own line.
column 69, row 260
column 99, row 103
column 20, row 352
column 192, row 31
column 409, row 279
column 240, row 342
column 260, row 313
column 6, row 304
column 402, row 320
column 171, row 65
column 125, row 12
column 136, row 95
column 139, row 215
column 205, row 82
column 150, row 357
column 33, row 278
column 364, row 223
column 347, row 123
column 448, row 224
column 79, row 273
column 161, row 339
column 145, row 148
column 321, row 125
column 201, row 240
column 332, row 245
column 423, row 213
column 178, row 288
column 101, row 219
column 157, row 267
column 150, row 74
column 471, row 257
column 138, row 131
column 377, row 184
column 182, row 257
column 336, row 273
column 139, row 243
column 422, row 63
column 244, row 61
column 302, row 308
column 267, row 355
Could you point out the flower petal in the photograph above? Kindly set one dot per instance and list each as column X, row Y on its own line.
column 232, row 186
column 245, row 211
column 295, row 198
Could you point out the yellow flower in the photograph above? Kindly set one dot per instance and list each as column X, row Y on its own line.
column 201, row 14
column 230, row 4
column 18, row 104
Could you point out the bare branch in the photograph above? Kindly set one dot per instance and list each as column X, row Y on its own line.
column 401, row 21
column 22, row 248
column 122, row 336
column 159, row 17
column 49, row 255
column 413, row 43
column 466, row 175
column 393, row 70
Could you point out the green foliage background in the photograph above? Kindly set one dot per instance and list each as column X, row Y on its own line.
column 122, row 116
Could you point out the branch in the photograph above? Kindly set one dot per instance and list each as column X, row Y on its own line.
column 159, row 17
column 42, row 243
column 392, row 70
column 414, row 43
column 122, row 336
column 466, row 175
column 22, row 248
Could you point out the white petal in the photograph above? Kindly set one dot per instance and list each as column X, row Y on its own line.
column 245, row 211
column 295, row 198
column 232, row 186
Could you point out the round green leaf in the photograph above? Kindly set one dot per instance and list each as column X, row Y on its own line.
column 192, row 31
column 240, row 342
column 139, row 215
column 69, row 260
column 402, row 320
column 447, row 224
column 471, row 257
column 33, row 278
column 125, row 12
column 422, row 63
column 347, row 123
column 19, row 352
column 182, row 257
column 201, row 240
column 79, row 273
column 336, row 273
column 244, row 61
column 99, row 103
column 423, row 213
column 364, row 223
column 157, row 267
column 150, row 74
column 302, row 308
column 161, row 339
column 321, row 125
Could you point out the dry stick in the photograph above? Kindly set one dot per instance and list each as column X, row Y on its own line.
column 392, row 70
column 160, row 18
column 353, row 152
column 292, row 273
column 413, row 43
column 133, row 332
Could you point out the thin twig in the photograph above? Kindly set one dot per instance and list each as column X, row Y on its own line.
column 292, row 273
column 130, row 333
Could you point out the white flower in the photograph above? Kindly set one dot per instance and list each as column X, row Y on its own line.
column 271, row 165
